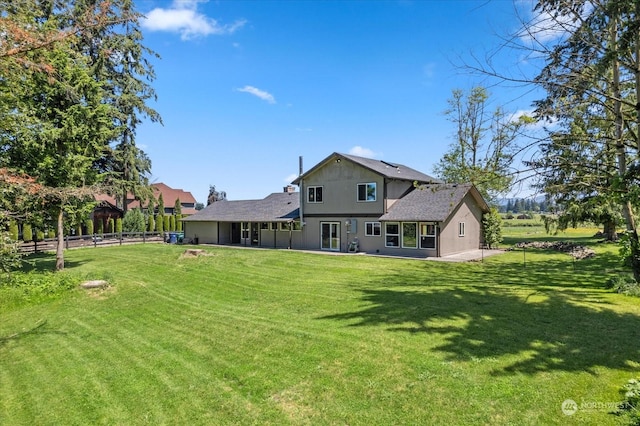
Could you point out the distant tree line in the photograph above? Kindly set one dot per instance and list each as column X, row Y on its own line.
column 522, row 205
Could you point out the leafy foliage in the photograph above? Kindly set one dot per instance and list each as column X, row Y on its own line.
column 592, row 80
column 492, row 227
column 27, row 232
column 631, row 402
column 152, row 223
column 133, row 221
column 10, row 257
column 75, row 79
column 485, row 144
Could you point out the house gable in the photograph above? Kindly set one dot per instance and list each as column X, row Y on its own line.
column 347, row 181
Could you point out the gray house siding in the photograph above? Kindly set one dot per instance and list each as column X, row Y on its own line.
column 470, row 214
column 395, row 189
column 339, row 182
column 206, row 232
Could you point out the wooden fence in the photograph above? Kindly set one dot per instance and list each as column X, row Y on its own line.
column 95, row 240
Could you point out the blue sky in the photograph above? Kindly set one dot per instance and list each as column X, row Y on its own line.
column 246, row 87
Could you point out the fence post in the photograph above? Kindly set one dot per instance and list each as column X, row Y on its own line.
column 120, row 237
column 35, row 245
column 144, row 237
column 67, row 242
column 95, row 240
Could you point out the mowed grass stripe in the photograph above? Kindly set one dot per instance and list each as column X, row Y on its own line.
column 163, row 376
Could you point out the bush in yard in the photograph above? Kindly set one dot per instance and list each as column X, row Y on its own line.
column 79, row 230
column 110, row 226
column 27, row 233
column 133, row 221
column 13, row 230
column 89, row 225
column 172, row 223
column 492, row 227
column 179, row 222
column 39, row 235
column 152, row 223
column 119, row 225
column 10, row 257
column 624, row 285
column 166, row 223
column 160, row 223
column 100, row 227
column 631, row 403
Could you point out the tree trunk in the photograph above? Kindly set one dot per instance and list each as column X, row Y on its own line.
column 60, row 244
column 610, row 232
column 632, row 229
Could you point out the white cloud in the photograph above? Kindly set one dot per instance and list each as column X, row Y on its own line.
column 183, row 18
column 265, row 96
column 428, row 70
column 362, row 152
column 290, row 178
column 543, row 27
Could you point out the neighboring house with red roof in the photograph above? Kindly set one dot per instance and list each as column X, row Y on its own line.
column 349, row 203
column 110, row 208
column 169, row 197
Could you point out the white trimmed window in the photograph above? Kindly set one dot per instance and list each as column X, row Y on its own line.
column 461, row 229
column 367, row 191
column 372, row 229
column 392, row 234
column 409, row 235
column 314, row 194
column 427, row 236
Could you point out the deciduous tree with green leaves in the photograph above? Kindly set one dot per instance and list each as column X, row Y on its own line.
column 484, row 146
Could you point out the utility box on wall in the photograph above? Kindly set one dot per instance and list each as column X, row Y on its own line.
column 352, row 225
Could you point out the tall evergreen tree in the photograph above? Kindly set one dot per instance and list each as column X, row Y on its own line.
column 595, row 69
column 60, row 111
column 121, row 62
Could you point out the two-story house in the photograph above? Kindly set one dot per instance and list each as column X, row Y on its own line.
column 350, row 203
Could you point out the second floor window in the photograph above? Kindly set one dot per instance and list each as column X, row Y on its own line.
column 314, row 194
column 367, row 191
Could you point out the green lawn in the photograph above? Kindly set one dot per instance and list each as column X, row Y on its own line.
column 283, row 337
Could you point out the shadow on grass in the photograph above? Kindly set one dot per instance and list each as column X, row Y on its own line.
column 556, row 270
column 539, row 331
column 44, row 262
column 39, row 328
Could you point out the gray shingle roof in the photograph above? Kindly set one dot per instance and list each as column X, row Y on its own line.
column 277, row 207
column 431, row 203
column 386, row 169
column 392, row 170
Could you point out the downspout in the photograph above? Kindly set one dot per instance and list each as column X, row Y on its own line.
column 301, row 192
column 301, row 208
column 437, row 239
